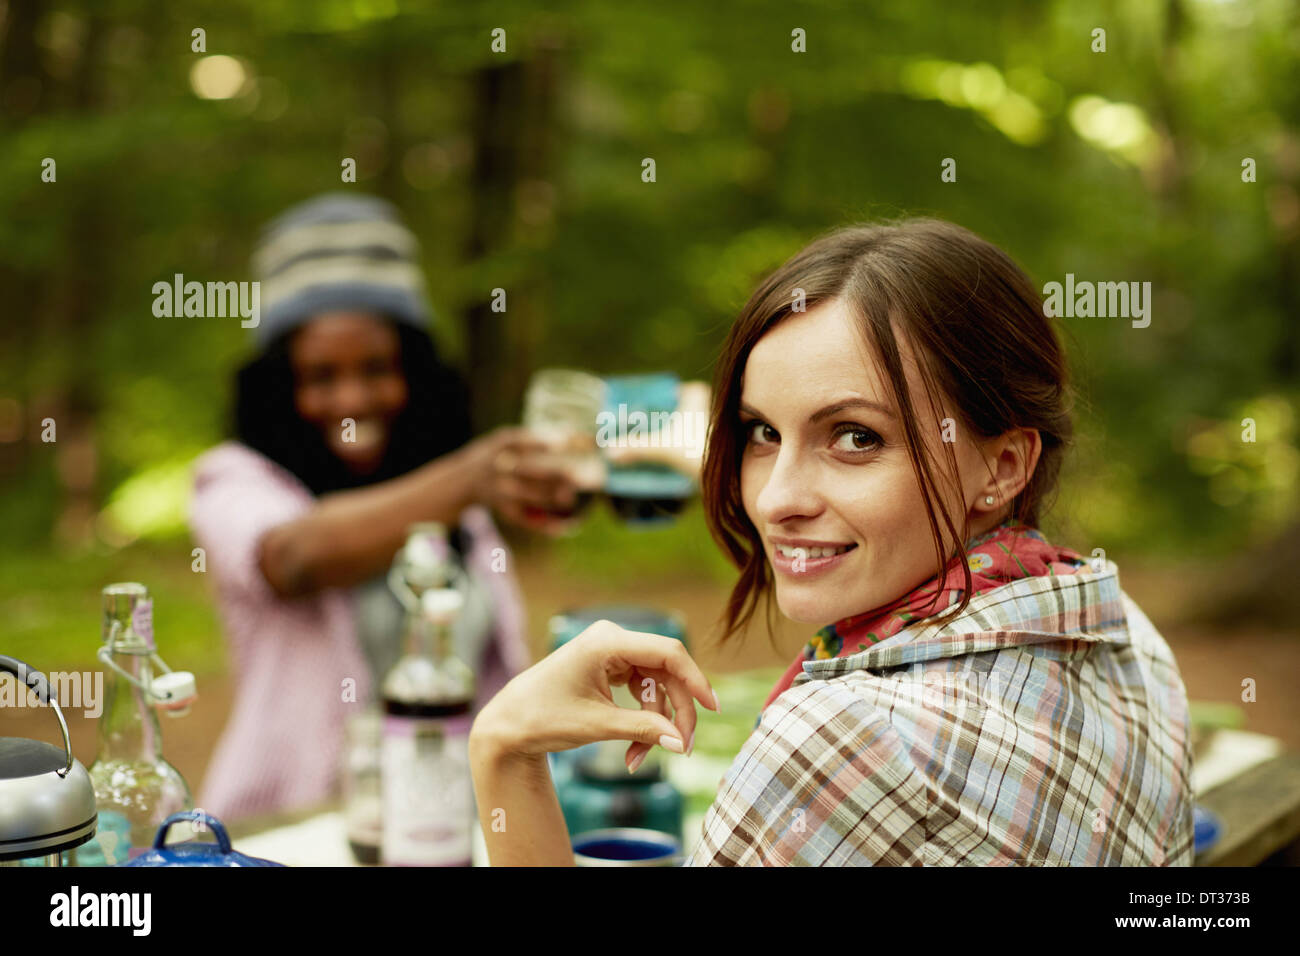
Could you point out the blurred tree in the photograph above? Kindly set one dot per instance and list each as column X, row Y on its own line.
column 521, row 170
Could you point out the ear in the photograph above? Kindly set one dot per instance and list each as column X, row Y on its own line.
column 1011, row 459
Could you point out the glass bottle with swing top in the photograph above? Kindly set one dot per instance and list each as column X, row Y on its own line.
column 135, row 787
column 427, row 697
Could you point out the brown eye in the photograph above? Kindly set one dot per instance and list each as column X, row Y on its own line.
column 757, row 432
column 859, row 439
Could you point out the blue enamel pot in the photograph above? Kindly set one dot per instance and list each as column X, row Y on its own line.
column 195, row 852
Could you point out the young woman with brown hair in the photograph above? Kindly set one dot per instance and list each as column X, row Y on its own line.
column 889, row 414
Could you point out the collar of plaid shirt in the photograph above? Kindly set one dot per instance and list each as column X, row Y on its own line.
column 1006, row 553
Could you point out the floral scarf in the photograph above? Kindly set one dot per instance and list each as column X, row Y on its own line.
column 1008, row 552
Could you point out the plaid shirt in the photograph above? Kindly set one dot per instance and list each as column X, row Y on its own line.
column 1046, row 725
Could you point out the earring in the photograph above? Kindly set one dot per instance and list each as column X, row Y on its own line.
column 988, row 499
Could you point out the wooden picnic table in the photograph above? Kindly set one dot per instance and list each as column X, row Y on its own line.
column 1259, row 810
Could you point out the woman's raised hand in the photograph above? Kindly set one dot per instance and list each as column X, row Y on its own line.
column 564, row 700
column 512, row 475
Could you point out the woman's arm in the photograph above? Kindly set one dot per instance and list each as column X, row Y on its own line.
column 351, row 536
column 517, row 805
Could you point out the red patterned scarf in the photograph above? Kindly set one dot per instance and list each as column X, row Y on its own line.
column 1008, row 552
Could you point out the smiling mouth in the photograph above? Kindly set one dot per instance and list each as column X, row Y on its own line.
column 809, row 553
column 367, row 435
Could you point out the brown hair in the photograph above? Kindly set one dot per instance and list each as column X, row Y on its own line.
column 976, row 325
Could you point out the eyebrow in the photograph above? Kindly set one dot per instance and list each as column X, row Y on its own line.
column 830, row 410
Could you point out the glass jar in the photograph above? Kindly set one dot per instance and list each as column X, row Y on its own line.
column 562, row 407
column 362, row 794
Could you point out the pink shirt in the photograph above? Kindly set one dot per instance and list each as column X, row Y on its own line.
column 296, row 659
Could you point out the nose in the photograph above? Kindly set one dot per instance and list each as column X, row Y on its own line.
column 351, row 397
column 790, row 490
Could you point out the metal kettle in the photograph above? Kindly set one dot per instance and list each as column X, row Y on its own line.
column 47, row 802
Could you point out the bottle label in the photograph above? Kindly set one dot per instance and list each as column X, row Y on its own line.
column 428, row 796
column 142, row 620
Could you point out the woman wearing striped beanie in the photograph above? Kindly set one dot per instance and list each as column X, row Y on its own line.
column 348, row 429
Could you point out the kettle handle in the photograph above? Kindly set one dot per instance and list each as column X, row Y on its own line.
column 30, row 677
column 218, row 829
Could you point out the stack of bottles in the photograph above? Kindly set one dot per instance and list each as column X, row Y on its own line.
column 409, row 795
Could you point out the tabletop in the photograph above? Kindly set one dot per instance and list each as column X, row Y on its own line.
column 1246, row 779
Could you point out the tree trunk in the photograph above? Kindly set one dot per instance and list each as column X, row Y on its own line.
column 514, row 109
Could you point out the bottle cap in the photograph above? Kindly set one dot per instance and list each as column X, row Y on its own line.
column 180, row 685
column 442, row 604
column 426, row 555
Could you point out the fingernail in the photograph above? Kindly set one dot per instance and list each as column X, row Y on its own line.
column 670, row 743
column 690, row 746
column 636, row 761
column 717, row 708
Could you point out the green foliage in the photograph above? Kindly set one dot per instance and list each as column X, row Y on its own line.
column 607, row 550
column 1122, row 165
column 52, row 614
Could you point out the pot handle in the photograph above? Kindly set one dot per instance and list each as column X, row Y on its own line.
column 218, row 829
column 30, row 677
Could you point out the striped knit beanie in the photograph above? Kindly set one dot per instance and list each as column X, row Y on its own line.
column 334, row 252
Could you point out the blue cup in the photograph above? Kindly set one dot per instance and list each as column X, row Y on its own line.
column 626, row 846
